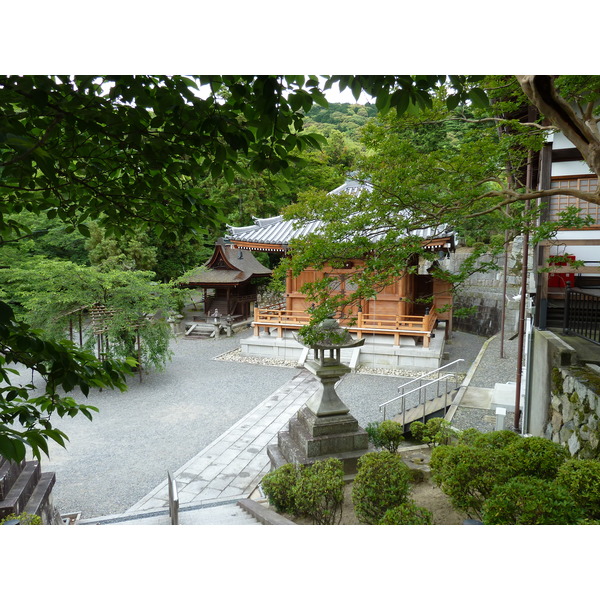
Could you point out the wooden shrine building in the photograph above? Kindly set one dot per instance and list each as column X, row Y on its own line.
column 395, row 315
column 230, row 280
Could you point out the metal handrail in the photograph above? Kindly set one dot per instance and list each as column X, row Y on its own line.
column 431, row 373
column 404, row 395
column 436, row 381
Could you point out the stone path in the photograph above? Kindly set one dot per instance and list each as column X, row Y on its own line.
column 232, row 466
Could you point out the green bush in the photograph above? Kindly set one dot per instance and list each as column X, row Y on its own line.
column 407, row 514
column 278, row 486
column 468, row 436
column 534, row 457
column 23, row 518
column 319, row 491
column 530, row 501
column 387, row 435
column 496, row 439
column 434, row 432
column 581, row 478
column 382, row 482
column 468, row 474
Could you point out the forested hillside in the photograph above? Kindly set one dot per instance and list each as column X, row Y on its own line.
column 248, row 195
column 345, row 118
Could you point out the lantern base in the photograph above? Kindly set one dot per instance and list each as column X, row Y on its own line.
column 310, row 438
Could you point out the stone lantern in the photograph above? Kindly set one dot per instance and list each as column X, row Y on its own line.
column 323, row 427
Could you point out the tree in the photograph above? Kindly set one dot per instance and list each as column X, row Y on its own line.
column 51, row 294
column 429, row 171
column 25, row 412
column 128, row 152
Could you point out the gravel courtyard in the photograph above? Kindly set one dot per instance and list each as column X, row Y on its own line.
column 162, row 422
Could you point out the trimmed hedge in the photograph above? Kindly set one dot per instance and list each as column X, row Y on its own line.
column 407, row 514
column 387, row 435
column 319, row 491
column 581, row 477
column 530, row 501
column 382, row 482
column 278, row 486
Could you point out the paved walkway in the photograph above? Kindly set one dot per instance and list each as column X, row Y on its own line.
column 232, row 466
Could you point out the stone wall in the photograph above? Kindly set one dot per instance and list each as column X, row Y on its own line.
column 483, row 291
column 574, row 414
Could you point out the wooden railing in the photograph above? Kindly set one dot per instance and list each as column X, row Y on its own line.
column 278, row 318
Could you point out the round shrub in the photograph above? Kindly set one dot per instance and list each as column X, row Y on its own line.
column 278, row 486
column 382, row 482
column 534, row 457
column 496, row 439
column 434, row 432
column 530, row 501
column 407, row 514
column 319, row 491
column 387, row 435
column 581, row 478
column 468, row 436
column 467, row 474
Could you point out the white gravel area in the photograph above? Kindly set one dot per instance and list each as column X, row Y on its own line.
column 162, row 422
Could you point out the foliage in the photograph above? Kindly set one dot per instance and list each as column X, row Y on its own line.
column 319, row 491
column 278, row 486
column 340, row 117
column 49, row 293
column 124, row 253
column 23, row 518
column 527, row 500
column 534, row 457
column 467, row 475
column 387, row 435
column 24, row 410
column 581, row 477
column 382, row 482
column 434, row 432
column 407, row 514
column 496, row 439
column 469, row 472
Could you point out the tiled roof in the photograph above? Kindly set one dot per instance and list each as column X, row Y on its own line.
column 229, row 265
column 274, row 231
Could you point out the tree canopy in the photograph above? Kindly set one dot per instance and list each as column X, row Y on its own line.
column 130, row 153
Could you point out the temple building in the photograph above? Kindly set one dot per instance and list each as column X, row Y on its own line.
column 398, row 328
column 230, row 280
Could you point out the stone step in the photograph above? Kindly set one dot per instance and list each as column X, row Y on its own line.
column 226, row 514
column 21, row 490
column 286, row 451
column 9, row 472
column 41, row 494
column 315, row 446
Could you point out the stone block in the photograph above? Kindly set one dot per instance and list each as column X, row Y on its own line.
column 336, row 424
column 556, row 421
column 574, row 444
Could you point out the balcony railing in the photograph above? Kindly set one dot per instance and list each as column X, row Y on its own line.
column 582, row 314
column 364, row 323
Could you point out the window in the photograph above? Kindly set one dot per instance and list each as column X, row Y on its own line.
column 559, row 203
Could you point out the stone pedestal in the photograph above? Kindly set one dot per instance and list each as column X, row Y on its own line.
column 310, row 438
column 323, row 428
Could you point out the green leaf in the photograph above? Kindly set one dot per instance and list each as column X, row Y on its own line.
column 452, row 101
column 479, row 98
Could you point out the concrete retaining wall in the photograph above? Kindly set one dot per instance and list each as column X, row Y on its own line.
column 483, row 292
